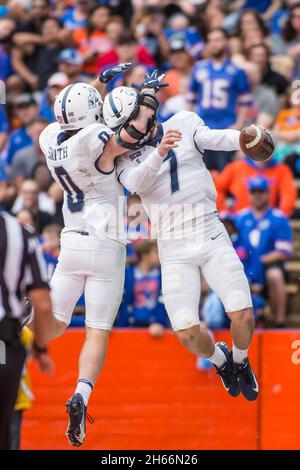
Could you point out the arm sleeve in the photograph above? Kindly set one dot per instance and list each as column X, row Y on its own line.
column 135, row 176
column 36, row 276
column 216, row 139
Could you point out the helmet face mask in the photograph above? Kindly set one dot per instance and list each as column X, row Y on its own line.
column 121, row 106
column 118, row 106
column 77, row 106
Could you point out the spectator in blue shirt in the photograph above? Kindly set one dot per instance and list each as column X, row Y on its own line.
column 266, row 235
column 142, row 303
column 26, row 111
column 76, row 17
column 219, row 93
column 7, row 29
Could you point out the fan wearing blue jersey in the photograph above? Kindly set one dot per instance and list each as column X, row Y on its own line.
column 142, row 304
column 219, row 93
column 267, row 237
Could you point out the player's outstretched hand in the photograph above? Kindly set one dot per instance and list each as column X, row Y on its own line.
column 169, row 141
column 111, row 72
column 152, row 80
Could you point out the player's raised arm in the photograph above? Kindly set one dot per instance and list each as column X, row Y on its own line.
column 217, row 139
column 142, row 176
column 255, row 141
column 101, row 82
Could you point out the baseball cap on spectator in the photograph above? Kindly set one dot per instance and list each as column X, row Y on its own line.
column 58, row 79
column 71, row 56
column 24, row 100
column 177, row 45
column 258, row 183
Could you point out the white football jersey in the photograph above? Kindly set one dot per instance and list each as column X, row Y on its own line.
column 91, row 197
column 182, row 190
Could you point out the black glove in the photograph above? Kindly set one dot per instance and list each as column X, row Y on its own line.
column 111, row 72
column 151, row 80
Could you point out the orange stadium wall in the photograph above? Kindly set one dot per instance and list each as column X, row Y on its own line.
column 151, row 396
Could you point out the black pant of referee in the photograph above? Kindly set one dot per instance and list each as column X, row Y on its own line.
column 22, row 271
column 13, row 354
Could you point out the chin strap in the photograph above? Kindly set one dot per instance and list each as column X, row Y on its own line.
column 141, row 137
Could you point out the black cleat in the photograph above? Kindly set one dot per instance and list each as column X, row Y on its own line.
column 247, row 380
column 228, row 372
column 76, row 410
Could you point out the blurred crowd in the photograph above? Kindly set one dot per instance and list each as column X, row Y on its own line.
column 233, row 62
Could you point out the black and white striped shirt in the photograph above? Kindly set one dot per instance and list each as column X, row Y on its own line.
column 22, row 266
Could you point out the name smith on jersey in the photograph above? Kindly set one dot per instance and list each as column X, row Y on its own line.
column 58, row 154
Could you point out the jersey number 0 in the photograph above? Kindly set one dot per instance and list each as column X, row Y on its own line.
column 75, row 197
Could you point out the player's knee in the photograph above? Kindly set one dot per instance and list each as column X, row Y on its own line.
column 244, row 317
column 238, row 299
column 96, row 333
column 183, row 319
column 188, row 336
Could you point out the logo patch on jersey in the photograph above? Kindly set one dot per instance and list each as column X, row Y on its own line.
column 230, row 70
column 264, row 224
column 201, row 75
column 135, row 155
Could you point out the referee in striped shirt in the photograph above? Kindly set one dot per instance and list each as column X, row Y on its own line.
column 22, row 272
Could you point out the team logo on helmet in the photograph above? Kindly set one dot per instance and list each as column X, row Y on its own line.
column 93, row 99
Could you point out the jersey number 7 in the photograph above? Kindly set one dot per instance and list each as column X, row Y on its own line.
column 173, row 170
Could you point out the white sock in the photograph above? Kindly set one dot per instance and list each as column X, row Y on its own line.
column 84, row 387
column 239, row 354
column 218, row 358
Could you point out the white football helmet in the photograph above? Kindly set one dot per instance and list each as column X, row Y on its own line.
column 118, row 106
column 77, row 106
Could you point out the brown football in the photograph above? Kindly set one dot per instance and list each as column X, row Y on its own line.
column 257, row 143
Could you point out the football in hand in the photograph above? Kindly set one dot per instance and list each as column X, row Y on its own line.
column 257, row 143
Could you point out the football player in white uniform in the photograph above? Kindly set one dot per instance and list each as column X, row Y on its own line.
column 179, row 196
column 80, row 152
